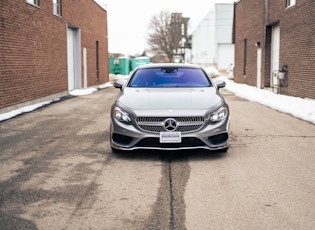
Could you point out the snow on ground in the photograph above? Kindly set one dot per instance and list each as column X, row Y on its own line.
column 90, row 90
column 26, row 109
column 76, row 92
column 298, row 107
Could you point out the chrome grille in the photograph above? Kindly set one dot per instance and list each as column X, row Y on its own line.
column 156, row 124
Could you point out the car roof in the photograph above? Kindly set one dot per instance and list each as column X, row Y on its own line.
column 164, row 65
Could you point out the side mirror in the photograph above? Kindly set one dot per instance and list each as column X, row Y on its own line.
column 119, row 83
column 220, row 84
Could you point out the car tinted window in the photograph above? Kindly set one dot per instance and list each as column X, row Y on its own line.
column 170, row 77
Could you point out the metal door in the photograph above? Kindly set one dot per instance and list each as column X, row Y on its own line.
column 258, row 68
column 71, row 59
column 275, row 54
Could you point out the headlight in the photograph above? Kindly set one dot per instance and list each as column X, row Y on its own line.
column 218, row 115
column 122, row 116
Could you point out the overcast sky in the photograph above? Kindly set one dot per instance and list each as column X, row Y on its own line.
column 128, row 20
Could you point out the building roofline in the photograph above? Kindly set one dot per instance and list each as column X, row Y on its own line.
column 101, row 4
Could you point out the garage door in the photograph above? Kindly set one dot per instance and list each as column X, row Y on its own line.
column 225, row 55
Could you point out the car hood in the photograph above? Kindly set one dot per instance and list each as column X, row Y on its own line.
column 170, row 98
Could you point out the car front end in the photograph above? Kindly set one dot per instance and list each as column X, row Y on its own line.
column 170, row 129
column 169, row 118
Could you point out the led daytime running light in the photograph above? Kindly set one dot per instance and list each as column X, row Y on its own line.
column 122, row 116
column 218, row 115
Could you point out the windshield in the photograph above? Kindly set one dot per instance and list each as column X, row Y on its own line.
column 170, row 77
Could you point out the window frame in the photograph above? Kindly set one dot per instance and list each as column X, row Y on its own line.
column 290, row 3
column 33, row 2
column 245, row 57
column 57, row 7
column 159, row 77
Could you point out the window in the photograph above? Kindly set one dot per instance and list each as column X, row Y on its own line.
column 245, row 57
column 97, row 61
column 290, row 3
column 57, row 7
column 33, row 2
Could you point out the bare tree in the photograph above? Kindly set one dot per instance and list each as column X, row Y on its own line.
column 167, row 35
column 160, row 38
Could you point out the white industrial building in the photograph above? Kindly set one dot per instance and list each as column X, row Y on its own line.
column 212, row 38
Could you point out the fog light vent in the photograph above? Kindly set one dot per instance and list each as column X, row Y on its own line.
column 218, row 139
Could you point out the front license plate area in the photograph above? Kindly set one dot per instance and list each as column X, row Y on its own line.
column 170, row 137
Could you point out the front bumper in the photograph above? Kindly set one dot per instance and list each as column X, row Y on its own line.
column 210, row 137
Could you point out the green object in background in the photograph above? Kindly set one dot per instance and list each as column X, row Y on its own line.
column 139, row 61
column 114, row 65
column 124, row 65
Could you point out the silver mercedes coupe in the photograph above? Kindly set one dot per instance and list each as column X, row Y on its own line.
column 169, row 107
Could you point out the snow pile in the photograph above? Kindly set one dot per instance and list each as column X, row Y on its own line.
column 212, row 71
column 105, row 85
column 90, row 90
column 80, row 92
column 25, row 109
column 76, row 92
column 114, row 77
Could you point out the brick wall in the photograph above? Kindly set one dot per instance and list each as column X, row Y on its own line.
column 254, row 20
column 93, row 23
column 33, row 47
column 297, row 49
column 249, row 26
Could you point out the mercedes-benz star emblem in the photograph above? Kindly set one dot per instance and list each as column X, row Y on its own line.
column 170, row 124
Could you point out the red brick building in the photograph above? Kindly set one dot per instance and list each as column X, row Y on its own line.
column 48, row 48
column 276, row 36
